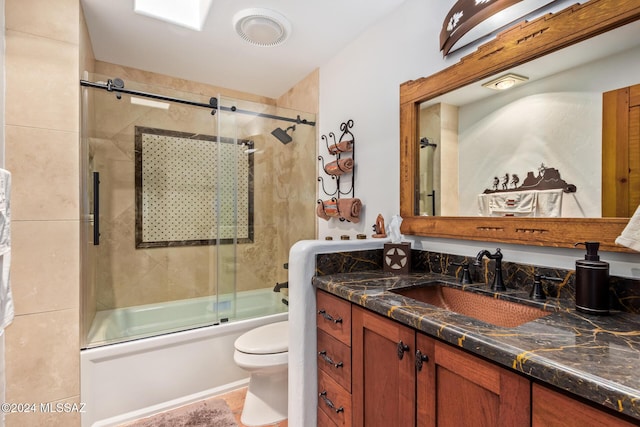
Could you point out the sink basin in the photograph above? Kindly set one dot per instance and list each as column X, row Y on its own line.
column 481, row 307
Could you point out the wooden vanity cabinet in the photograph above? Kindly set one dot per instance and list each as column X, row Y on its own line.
column 333, row 317
column 404, row 378
column 376, row 372
column 469, row 391
column 383, row 380
column 553, row 409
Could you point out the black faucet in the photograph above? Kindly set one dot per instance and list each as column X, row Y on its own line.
column 465, row 277
column 498, row 283
column 537, row 292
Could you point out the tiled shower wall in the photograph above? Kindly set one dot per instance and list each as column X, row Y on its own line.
column 284, row 180
column 42, row 131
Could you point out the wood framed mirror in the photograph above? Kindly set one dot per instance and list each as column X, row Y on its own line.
column 518, row 45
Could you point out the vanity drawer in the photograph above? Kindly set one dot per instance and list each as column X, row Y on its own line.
column 333, row 315
column 324, row 420
column 333, row 400
column 334, row 358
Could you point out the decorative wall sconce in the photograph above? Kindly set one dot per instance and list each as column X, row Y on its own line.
column 469, row 21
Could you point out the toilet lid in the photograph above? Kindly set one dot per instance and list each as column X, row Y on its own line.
column 267, row 339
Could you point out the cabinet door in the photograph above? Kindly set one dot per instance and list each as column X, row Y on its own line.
column 383, row 371
column 425, row 381
column 552, row 409
column 472, row 392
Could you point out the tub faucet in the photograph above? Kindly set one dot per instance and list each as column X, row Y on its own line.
column 279, row 286
column 498, row 283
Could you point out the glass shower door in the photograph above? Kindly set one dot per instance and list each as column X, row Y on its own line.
column 149, row 261
column 275, row 207
column 188, row 216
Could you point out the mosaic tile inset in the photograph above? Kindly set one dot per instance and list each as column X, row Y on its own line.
column 191, row 189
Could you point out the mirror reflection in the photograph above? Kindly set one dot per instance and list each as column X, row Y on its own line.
column 536, row 149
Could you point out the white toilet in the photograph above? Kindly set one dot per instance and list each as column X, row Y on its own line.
column 264, row 352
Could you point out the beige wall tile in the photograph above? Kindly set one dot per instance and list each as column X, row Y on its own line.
column 164, row 81
column 46, row 416
column 43, row 357
column 42, row 86
column 45, row 169
column 305, row 95
column 127, row 276
column 44, row 18
column 87, row 57
column 54, row 284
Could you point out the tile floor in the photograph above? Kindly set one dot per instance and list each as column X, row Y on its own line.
column 235, row 400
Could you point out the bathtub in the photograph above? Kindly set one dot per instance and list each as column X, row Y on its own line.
column 125, row 324
column 132, row 379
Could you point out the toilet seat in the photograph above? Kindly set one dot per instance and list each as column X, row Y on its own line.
column 267, row 339
column 264, row 362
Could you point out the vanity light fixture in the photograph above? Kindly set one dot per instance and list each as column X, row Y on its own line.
column 506, row 81
column 262, row 27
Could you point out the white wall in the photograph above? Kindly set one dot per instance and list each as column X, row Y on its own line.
column 531, row 131
column 362, row 83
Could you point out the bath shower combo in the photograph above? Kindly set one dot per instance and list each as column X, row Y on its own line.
column 169, row 314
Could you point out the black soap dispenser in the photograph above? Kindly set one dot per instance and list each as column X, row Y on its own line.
column 592, row 281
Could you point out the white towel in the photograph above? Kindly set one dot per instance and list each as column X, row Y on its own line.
column 528, row 203
column 550, row 203
column 6, row 299
column 518, row 203
column 630, row 236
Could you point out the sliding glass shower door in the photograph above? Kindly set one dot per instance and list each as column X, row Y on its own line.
column 188, row 212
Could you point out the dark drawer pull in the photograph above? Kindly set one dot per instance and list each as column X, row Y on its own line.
column 329, row 317
column 323, row 396
column 420, row 359
column 327, row 359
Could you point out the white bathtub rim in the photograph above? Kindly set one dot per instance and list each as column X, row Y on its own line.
column 172, row 404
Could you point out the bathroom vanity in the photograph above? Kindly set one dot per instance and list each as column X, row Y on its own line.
column 385, row 358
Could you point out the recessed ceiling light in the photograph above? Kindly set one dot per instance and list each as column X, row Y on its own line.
column 262, row 27
column 505, row 82
column 186, row 13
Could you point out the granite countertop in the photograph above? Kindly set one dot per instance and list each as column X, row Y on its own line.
column 595, row 357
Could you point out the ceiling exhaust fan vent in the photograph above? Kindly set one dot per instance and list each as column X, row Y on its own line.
column 262, row 27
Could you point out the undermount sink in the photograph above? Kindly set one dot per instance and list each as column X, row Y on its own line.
column 487, row 309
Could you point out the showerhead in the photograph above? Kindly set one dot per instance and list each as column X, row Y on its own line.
column 282, row 135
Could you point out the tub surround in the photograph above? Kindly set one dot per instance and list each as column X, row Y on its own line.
column 593, row 357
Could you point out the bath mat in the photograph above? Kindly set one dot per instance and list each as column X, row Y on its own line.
column 212, row 412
